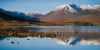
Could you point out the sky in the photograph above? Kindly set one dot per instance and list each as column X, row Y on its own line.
column 39, row 6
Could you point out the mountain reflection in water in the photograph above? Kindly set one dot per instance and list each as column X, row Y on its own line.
column 59, row 35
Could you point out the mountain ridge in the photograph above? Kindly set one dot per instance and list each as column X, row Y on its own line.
column 70, row 14
column 80, row 16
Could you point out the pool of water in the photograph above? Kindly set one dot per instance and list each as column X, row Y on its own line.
column 70, row 38
column 63, row 28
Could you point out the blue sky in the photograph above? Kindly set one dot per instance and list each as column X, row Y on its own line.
column 39, row 6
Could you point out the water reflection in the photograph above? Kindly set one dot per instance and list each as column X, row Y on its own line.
column 55, row 35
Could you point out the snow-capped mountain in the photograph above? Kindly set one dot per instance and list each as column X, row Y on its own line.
column 18, row 16
column 74, row 13
column 34, row 14
column 70, row 13
column 75, row 8
column 88, row 6
column 68, row 8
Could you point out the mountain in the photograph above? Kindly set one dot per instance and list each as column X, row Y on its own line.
column 71, row 13
column 67, row 14
column 68, row 8
column 14, row 15
column 35, row 14
column 88, row 6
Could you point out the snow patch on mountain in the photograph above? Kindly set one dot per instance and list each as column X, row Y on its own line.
column 84, row 7
column 59, row 7
column 68, row 8
column 75, row 8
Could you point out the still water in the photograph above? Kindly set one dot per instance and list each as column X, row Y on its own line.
column 50, row 38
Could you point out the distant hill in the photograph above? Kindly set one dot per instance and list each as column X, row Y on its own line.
column 18, row 16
